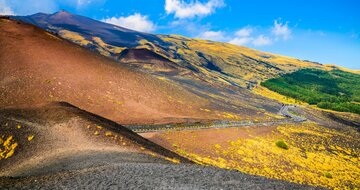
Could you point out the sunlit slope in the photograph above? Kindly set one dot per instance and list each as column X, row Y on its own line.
column 337, row 90
column 237, row 63
column 226, row 96
column 315, row 155
column 213, row 61
column 38, row 67
column 221, row 73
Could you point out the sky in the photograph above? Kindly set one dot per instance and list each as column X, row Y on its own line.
column 325, row 31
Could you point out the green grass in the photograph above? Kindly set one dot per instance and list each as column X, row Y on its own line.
column 336, row 90
column 282, row 144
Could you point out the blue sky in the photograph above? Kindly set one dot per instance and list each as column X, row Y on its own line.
column 326, row 31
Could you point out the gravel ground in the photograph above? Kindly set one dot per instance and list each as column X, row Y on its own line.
column 147, row 176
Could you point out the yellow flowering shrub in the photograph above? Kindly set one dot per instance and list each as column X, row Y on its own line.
column 30, row 137
column 316, row 155
column 7, row 147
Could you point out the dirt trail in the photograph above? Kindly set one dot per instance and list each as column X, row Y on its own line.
column 284, row 110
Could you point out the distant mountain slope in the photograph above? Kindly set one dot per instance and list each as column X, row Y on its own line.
column 337, row 90
column 88, row 28
column 234, row 65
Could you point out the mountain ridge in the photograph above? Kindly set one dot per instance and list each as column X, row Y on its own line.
column 45, row 21
column 217, row 71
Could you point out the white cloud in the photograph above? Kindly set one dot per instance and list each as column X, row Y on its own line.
column 252, row 36
column 281, row 30
column 136, row 22
column 212, row 35
column 241, row 41
column 5, row 9
column 244, row 32
column 182, row 10
column 262, row 40
column 247, row 36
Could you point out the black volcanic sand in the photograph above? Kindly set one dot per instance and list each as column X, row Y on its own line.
column 147, row 176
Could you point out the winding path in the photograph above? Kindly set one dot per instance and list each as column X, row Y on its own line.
column 284, row 110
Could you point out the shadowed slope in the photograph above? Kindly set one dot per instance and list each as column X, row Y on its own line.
column 115, row 35
column 150, row 60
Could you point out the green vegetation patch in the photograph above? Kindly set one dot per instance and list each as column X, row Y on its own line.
column 328, row 175
column 336, row 90
column 282, row 144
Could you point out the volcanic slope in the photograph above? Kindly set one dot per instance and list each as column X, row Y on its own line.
column 214, row 62
column 208, row 59
column 38, row 67
column 57, row 145
column 189, row 63
column 59, row 136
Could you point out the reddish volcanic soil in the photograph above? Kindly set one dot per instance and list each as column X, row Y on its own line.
column 202, row 141
column 38, row 67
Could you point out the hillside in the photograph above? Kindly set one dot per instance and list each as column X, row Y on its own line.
column 214, row 62
column 337, row 90
column 50, row 69
column 53, row 69
column 200, row 66
column 75, row 93
column 59, row 145
column 45, row 137
column 210, row 66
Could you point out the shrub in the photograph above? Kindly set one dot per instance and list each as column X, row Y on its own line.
column 30, row 137
column 328, row 175
column 108, row 134
column 282, row 144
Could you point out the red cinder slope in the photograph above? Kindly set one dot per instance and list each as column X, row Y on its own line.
column 38, row 67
